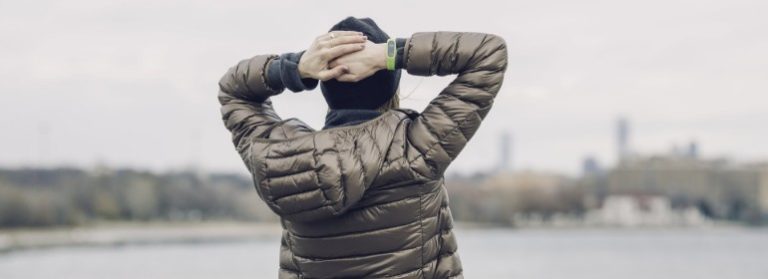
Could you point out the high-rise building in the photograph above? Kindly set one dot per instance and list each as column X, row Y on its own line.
column 622, row 139
column 693, row 150
column 590, row 166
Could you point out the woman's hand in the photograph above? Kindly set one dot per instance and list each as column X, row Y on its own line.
column 362, row 64
column 314, row 62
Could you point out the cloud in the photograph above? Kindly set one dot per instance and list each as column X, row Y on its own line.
column 133, row 83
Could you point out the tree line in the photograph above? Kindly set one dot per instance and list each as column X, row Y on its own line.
column 70, row 197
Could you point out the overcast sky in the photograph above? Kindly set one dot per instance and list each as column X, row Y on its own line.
column 134, row 83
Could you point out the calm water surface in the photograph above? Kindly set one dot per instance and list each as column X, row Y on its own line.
column 486, row 253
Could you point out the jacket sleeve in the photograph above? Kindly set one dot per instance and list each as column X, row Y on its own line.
column 245, row 106
column 445, row 126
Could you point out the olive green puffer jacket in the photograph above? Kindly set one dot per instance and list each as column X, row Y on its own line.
column 368, row 200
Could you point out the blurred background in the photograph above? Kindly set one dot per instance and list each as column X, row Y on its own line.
column 628, row 140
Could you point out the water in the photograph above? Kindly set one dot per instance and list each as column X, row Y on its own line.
column 486, row 253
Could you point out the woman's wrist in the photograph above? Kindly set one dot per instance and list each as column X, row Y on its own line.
column 381, row 57
column 381, row 62
column 285, row 72
column 302, row 71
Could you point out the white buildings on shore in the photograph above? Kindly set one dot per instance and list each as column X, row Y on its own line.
column 638, row 211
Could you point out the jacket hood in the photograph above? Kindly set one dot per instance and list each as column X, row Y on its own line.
column 309, row 175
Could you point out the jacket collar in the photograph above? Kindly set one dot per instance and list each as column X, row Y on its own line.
column 346, row 117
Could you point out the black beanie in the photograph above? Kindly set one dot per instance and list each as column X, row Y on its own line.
column 371, row 92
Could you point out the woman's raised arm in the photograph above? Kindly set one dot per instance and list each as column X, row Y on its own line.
column 442, row 130
column 245, row 88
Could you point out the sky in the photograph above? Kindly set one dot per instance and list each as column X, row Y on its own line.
column 134, row 83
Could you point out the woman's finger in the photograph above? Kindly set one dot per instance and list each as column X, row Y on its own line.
column 336, row 34
column 341, row 50
column 345, row 78
column 344, row 40
column 333, row 63
column 332, row 72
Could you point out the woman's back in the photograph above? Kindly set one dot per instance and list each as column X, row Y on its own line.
column 367, row 200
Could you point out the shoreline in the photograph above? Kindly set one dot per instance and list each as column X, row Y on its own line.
column 107, row 234
column 135, row 233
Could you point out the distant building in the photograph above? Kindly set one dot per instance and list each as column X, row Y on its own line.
column 590, row 167
column 718, row 189
column 622, row 140
column 644, row 211
column 693, row 150
column 505, row 153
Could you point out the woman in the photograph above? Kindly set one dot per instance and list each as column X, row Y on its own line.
column 364, row 197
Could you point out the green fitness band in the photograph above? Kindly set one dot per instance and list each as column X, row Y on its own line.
column 391, row 53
